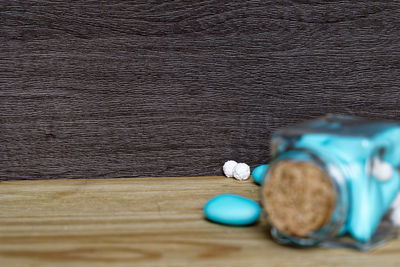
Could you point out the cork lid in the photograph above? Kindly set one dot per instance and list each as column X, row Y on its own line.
column 299, row 197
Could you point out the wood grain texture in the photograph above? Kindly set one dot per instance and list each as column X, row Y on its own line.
column 175, row 88
column 145, row 222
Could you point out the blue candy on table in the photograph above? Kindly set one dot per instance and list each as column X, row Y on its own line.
column 232, row 209
column 258, row 173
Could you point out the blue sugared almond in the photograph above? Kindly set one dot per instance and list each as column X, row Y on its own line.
column 258, row 173
column 232, row 210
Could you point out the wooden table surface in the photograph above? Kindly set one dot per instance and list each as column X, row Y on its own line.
column 145, row 222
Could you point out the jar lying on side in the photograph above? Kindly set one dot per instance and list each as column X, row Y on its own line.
column 330, row 177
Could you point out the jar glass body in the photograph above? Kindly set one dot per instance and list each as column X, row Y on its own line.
column 346, row 149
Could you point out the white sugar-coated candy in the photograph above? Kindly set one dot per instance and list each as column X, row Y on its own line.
column 241, row 171
column 228, row 168
column 395, row 217
column 396, row 202
column 382, row 170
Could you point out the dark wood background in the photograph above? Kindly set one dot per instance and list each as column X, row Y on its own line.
column 175, row 88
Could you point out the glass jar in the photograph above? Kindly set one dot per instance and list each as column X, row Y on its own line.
column 326, row 180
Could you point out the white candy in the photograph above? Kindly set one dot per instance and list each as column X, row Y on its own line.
column 396, row 202
column 241, row 171
column 382, row 170
column 228, row 168
column 395, row 217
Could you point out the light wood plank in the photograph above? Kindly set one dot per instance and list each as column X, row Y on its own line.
column 145, row 222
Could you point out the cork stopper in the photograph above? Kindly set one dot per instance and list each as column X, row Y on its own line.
column 299, row 197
